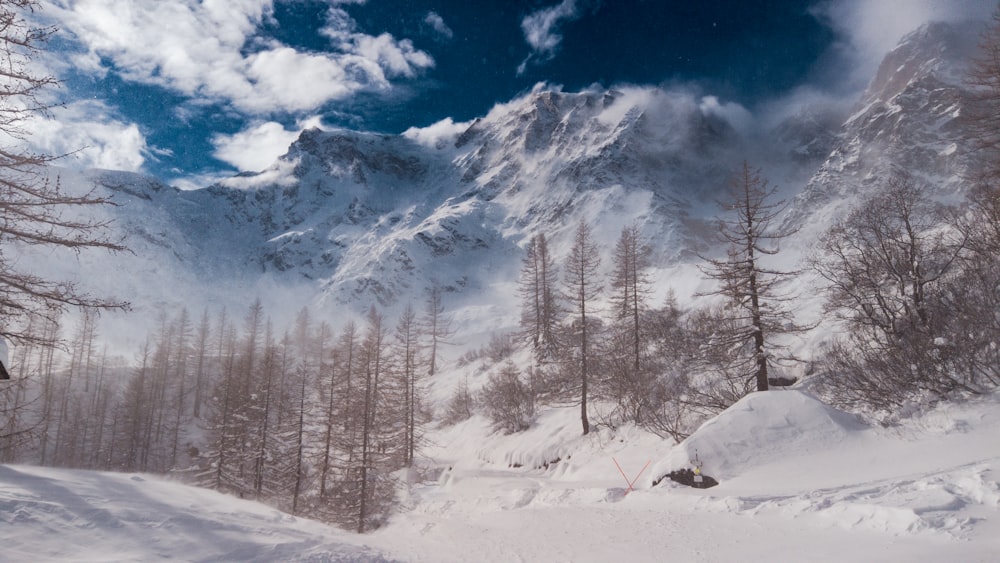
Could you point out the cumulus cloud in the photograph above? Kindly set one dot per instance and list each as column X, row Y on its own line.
column 90, row 136
column 209, row 49
column 542, row 30
column 256, row 147
column 437, row 24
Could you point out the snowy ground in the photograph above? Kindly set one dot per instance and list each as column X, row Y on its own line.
column 799, row 481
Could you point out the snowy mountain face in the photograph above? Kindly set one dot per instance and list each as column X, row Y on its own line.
column 375, row 219
column 352, row 219
column 909, row 120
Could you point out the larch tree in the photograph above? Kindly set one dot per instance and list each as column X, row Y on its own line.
column 539, row 304
column 407, row 367
column 757, row 310
column 373, row 350
column 581, row 286
column 436, row 327
column 628, row 293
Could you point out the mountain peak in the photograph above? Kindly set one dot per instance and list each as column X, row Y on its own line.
column 937, row 51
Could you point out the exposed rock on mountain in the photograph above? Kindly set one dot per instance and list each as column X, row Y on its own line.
column 909, row 120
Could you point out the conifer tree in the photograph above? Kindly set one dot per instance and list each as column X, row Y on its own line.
column 632, row 378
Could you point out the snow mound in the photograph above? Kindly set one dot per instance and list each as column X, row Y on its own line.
column 761, row 429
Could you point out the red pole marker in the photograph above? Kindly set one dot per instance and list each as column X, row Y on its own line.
column 633, row 481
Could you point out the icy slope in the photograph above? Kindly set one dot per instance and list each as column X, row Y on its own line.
column 909, row 121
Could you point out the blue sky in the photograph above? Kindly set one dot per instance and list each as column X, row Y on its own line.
column 196, row 90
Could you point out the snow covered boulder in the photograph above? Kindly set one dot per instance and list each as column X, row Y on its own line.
column 759, row 429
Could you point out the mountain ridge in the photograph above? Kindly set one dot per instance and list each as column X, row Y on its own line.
column 354, row 219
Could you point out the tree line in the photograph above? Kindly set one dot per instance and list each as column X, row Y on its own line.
column 909, row 288
column 313, row 421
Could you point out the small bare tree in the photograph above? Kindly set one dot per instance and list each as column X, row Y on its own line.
column 508, row 400
column 436, row 327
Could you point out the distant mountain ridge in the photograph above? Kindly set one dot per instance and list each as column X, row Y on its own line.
column 359, row 218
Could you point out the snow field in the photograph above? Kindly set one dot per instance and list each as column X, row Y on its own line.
column 799, row 481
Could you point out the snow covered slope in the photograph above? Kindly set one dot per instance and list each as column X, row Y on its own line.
column 926, row 491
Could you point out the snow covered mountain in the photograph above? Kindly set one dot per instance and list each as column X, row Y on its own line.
column 909, row 120
column 375, row 219
column 351, row 219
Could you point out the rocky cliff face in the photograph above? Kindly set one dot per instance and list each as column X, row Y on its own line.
column 908, row 121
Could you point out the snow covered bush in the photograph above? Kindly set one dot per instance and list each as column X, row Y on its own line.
column 508, row 400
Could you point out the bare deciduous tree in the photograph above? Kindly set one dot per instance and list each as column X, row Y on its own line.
column 581, row 288
column 34, row 209
column 887, row 268
column 757, row 309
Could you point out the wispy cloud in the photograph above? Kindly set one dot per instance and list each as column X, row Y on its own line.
column 210, row 50
column 436, row 22
column 542, row 30
column 437, row 135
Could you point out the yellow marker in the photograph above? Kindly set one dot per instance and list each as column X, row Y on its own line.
column 697, row 471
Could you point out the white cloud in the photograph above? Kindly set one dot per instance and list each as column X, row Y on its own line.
column 374, row 57
column 90, row 136
column 258, row 146
column 541, row 30
column 437, row 135
column 207, row 48
column 437, row 24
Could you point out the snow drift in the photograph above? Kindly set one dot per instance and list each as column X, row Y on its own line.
column 760, row 429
